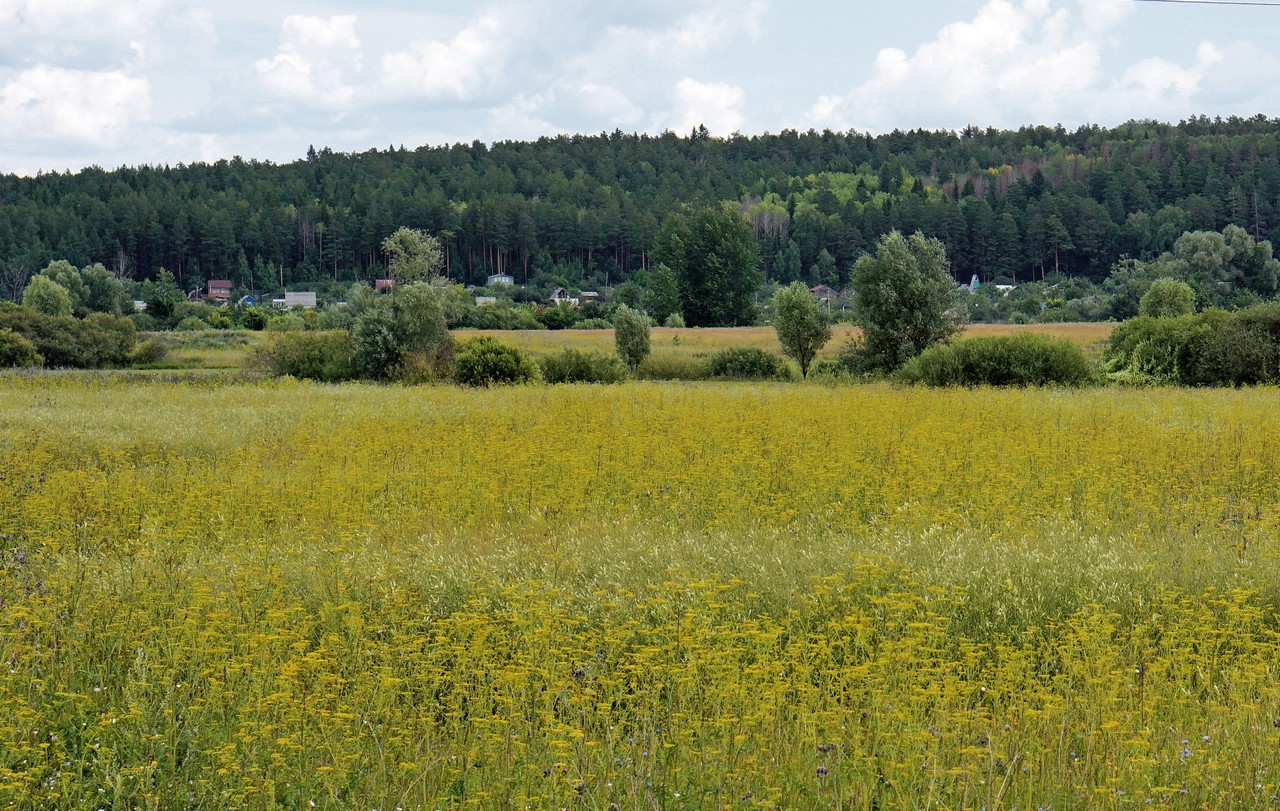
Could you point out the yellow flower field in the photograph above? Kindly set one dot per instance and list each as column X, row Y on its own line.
column 280, row 595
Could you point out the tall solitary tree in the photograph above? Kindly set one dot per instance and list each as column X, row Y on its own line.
column 801, row 326
column 901, row 296
column 631, row 336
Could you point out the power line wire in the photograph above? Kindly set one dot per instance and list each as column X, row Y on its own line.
column 1214, row 2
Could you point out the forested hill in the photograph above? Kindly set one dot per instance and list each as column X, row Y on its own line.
column 1011, row 204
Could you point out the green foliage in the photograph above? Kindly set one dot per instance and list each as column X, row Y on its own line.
column 1157, row 350
column 574, row 366
column 412, row 256
column 254, row 318
column 747, row 363
column 328, row 357
column 902, row 295
column 662, row 297
column 1168, row 298
column 716, row 259
column 802, row 327
column 1026, row 359
column 674, row 321
column 1007, row 203
column 631, row 336
column 483, row 361
column 163, row 296
column 194, row 323
column 47, row 297
column 829, row 370
column 401, row 331
column 17, row 352
column 63, row 341
column 672, row 366
column 65, row 275
column 558, row 316
column 503, row 316
column 103, row 292
column 150, row 352
column 285, row 322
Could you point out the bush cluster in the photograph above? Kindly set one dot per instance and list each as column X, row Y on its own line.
column 17, row 352
column 484, row 361
column 574, row 366
column 1213, row 348
column 671, row 366
column 328, row 357
column 64, row 341
column 747, row 363
column 1027, row 359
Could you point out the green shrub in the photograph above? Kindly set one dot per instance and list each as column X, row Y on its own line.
column 148, row 353
column 631, row 336
column 63, row 341
column 829, row 370
column 559, row 316
column 1238, row 349
column 675, row 321
column 17, row 352
column 671, row 366
column 594, row 323
column 501, row 316
column 1160, row 350
column 289, row 322
column 254, row 318
column 192, row 324
column 574, row 366
column 484, row 361
column 1028, row 359
column 328, row 357
column 747, row 363
column 403, row 335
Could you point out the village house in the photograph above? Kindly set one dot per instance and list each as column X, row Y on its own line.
column 561, row 296
column 220, row 290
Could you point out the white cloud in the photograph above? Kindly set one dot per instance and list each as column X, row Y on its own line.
column 80, row 33
column 1105, row 15
column 1016, row 63
column 316, row 60
column 609, row 105
column 713, row 104
column 471, row 61
column 72, row 106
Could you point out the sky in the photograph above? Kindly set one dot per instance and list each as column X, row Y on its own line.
column 131, row 82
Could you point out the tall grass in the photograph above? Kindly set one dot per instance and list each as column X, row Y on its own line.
column 703, row 595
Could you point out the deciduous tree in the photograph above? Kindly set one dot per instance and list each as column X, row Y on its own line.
column 801, row 326
column 717, row 260
column 902, row 294
column 631, row 336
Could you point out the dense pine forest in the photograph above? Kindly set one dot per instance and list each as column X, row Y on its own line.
column 1010, row 206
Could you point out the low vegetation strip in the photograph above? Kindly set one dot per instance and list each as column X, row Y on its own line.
column 230, row 595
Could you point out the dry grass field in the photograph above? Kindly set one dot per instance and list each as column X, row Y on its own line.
column 692, row 342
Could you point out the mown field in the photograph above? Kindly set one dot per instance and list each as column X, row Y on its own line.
column 279, row 595
column 222, row 351
column 694, row 342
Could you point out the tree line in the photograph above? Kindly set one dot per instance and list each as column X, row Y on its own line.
column 1010, row 205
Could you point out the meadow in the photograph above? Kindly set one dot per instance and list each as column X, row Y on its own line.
column 220, row 594
column 217, row 351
